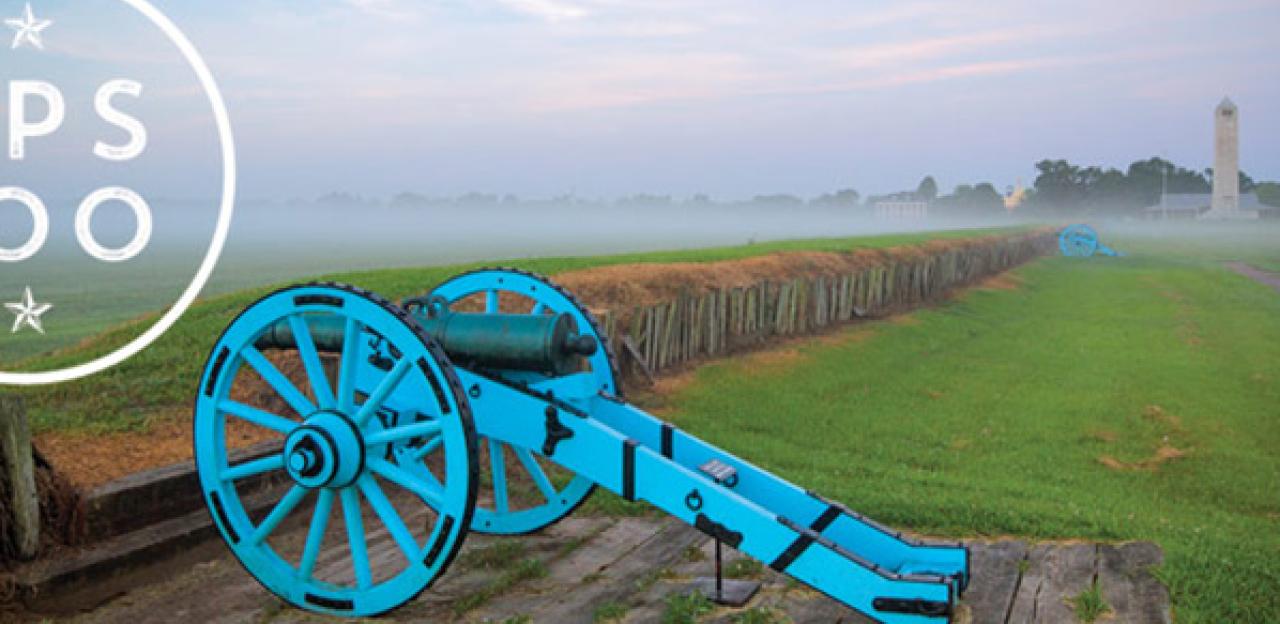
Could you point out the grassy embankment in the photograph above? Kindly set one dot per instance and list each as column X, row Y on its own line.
column 159, row 382
column 1135, row 398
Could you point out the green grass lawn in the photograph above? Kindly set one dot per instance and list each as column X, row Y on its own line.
column 993, row 414
column 160, row 381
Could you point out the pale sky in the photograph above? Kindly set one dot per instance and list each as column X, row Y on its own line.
column 727, row 97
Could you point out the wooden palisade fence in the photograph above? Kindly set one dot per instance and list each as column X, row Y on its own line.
column 714, row 323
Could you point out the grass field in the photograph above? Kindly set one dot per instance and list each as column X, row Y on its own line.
column 1116, row 399
column 160, row 382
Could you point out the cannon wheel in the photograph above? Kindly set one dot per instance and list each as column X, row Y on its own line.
column 502, row 515
column 337, row 450
column 1078, row 240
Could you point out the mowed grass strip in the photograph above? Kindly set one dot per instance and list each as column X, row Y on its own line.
column 160, row 382
column 1135, row 398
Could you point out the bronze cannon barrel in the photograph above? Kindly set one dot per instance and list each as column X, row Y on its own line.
column 546, row 343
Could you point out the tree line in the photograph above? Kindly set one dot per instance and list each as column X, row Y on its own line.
column 1060, row 188
column 1063, row 188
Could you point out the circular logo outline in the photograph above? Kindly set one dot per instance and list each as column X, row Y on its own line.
column 226, row 143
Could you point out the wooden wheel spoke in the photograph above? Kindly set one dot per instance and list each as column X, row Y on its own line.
column 491, row 302
column 355, row 537
column 311, row 361
column 278, row 514
column 256, row 416
column 252, row 467
column 535, row 471
column 390, row 518
column 498, row 464
column 417, row 453
column 278, row 382
column 415, row 430
column 432, row 496
column 315, row 535
column 384, row 389
column 350, row 364
column 431, row 481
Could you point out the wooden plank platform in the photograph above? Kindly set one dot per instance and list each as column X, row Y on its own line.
column 634, row 566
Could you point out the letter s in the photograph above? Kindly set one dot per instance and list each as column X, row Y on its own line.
column 137, row 132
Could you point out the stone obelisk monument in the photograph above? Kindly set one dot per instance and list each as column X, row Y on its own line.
column 1226, row 161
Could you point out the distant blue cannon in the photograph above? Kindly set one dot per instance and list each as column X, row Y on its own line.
column 491, row 404
column 1082, row 240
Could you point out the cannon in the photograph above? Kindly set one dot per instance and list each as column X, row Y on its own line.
column 490, row 404
column 1080, row 240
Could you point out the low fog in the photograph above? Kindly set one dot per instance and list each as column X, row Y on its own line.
column 274, row 242
column 311, row 238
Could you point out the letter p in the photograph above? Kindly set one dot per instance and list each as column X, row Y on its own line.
column 19, row 128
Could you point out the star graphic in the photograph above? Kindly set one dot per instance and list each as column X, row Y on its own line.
column 28, row 312
column 28, row 28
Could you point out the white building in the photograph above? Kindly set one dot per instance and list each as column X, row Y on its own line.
column 1179, row 206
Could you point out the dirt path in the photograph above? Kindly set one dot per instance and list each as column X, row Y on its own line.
column 1256, row 274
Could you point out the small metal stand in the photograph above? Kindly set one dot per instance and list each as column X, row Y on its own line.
column 730, row 592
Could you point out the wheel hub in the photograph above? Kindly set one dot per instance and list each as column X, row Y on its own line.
column 325, row 451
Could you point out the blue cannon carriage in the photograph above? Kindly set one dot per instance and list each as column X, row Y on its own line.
column 1081, row 240
column 492, row 404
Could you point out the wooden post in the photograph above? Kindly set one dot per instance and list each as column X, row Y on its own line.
column 882, row 283
column 19, row 472
column 660, row 338
column 793, row 305
column 605, row 320
column 864, row 291
column 764, row 310
column 781, row 311
column 629, row 346
column 670, row 327
column 651, row 337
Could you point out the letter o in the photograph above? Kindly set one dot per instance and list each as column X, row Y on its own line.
column 39, row 220
column 141, row 234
